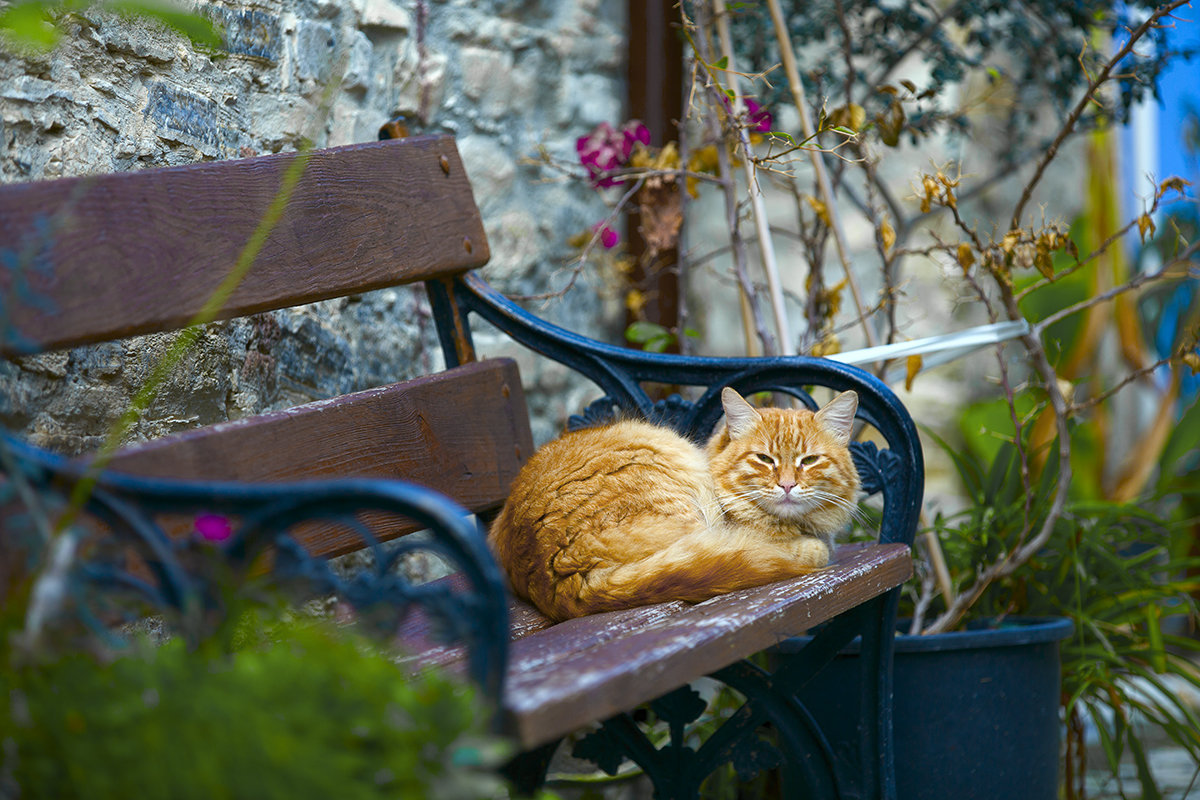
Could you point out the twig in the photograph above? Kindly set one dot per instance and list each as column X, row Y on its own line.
column 682, row 268
column 581, row 261
column 818, row 162
column 751, row 317
column 1135, row 375
column 1077, row 112
column 1136, row 282
column 1010, row 398
column 766, row 247
column 1016, row 558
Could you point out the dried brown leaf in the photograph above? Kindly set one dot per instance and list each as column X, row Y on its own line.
column 887, row 235
column 966, row 256
column 912, row 367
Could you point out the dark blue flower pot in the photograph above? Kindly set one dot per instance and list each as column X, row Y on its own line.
column 976, row 714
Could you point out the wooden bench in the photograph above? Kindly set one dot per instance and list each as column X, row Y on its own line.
column 116, row 255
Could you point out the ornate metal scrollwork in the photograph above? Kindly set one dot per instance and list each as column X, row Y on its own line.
column 876, row 468
column 597, row 412
column 769, row 731
column 672, row 411
column 131, row 556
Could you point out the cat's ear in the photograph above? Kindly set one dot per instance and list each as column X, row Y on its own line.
column 740, row 416
column 837, row 416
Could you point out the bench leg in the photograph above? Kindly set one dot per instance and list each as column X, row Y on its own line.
column 796, row 746
column 769, row 730
column 527, row 771
column 877, row 748
column 866, row 765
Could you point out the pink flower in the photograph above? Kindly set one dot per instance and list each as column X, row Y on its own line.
column 634, row 133
column 608, row 237
column 757, row 117
column 606, row 148
column 213, row 527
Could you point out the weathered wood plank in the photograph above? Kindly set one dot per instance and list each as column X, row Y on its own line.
column 568, row 639
column 108, row 256
column 557, row 682
column 464, row 432
column 418, row 647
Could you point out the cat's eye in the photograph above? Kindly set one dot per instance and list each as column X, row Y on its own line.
column 809, row 460
column 766, row 459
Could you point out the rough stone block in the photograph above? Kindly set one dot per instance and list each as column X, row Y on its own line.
column 358, row 65
column 249, row 32
column 485, row 72
column 30, row 89
column 185, row 116
column 386, row 14
column 504, row 75
column 315, row 46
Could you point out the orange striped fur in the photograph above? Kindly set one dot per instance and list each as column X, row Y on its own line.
column 631, row 513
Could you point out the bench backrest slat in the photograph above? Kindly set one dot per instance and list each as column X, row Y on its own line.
column 90, row 259
column 464, row 432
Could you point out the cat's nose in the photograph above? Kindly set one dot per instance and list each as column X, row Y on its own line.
column 787, row 487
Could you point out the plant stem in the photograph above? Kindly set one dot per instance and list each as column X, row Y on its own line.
column 751, row 318
column 818, row 162
column 766, row 246
column 1077, row 112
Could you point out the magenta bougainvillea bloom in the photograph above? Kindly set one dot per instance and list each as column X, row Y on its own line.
column 213, row 527
column 606, row 148
column 634, row 133
column 608, row 237
column 757, row 117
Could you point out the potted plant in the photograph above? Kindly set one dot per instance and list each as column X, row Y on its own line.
column 1089, row 631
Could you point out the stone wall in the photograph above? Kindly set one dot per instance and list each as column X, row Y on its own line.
column 502, row 75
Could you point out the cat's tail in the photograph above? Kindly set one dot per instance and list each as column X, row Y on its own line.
column 695, row 568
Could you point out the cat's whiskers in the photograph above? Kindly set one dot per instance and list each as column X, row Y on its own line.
column 851, row 507
column 722, row 499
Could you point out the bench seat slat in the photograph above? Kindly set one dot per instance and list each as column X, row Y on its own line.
column 464, row 432
column 563, row 676
column 546, row 699
column 109, row 256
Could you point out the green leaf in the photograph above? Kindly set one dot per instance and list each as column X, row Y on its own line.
column 1184, row 441
column 721, row 63
column 28, row 25
column 969, row 469
column 1112, row 747
column 642, row 331
column 1002, row 474
column 1145, row 776
column 1158, row 653
column 200, row 30
column 658, row 344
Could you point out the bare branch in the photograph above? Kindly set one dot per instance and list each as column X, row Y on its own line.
column 1077, row 112
column 581, row 261
column 1133, row 283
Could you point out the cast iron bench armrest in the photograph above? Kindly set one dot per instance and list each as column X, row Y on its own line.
column 263, row 516
column 898, row 471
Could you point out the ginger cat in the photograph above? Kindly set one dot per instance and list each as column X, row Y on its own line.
column 631, row 513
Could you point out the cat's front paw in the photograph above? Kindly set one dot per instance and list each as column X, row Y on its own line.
column 811, row 552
